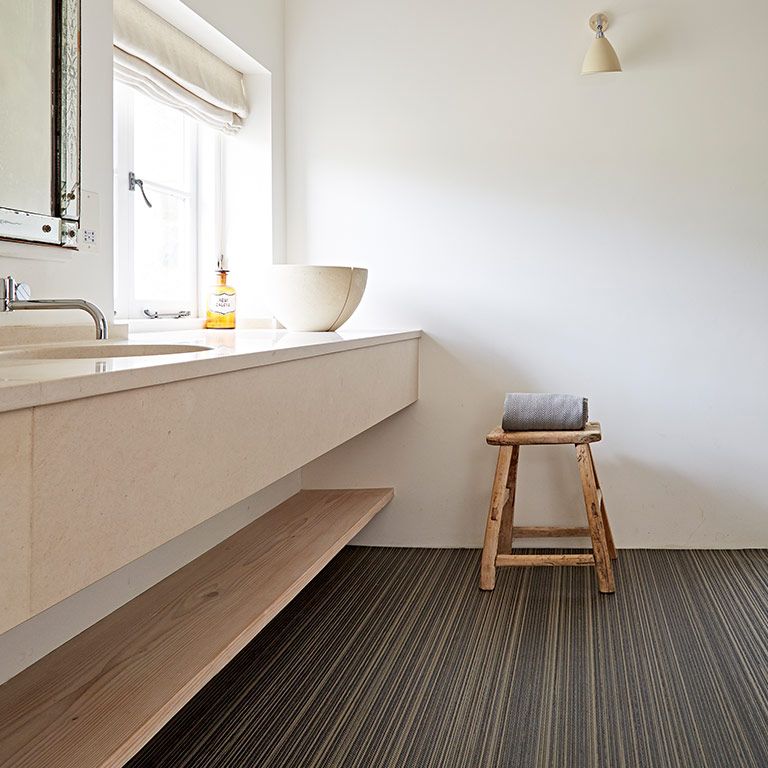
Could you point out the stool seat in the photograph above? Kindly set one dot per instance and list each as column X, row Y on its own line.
column 590, row 434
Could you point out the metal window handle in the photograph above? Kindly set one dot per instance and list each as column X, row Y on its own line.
column 134, row 182
column 174, row 315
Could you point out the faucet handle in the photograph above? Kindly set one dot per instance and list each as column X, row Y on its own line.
column 23, row 292
column 7, row 286
column 10, row 291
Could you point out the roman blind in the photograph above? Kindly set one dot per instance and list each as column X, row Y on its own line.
column 156, row 58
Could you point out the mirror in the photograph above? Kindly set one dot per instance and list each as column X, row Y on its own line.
column 25, row 90
column 40, row 121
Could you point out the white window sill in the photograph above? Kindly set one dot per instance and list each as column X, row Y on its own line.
column 147, row 325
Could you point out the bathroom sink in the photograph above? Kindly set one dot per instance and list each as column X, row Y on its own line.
column 97, row 350
column 306, row 297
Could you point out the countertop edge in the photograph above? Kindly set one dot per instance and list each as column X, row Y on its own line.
column 31, row 394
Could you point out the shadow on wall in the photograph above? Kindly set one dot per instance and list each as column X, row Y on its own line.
column 438, row 445
column 650, row 38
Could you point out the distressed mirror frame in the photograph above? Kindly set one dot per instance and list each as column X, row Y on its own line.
column 59, row 225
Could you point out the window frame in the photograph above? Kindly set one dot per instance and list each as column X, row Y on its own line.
column 205, row 211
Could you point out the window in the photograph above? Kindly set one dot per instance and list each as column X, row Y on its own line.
column 162, row 251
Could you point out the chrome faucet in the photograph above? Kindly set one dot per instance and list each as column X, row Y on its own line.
column 15, row 296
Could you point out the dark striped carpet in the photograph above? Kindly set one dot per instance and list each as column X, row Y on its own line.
column 393, row 658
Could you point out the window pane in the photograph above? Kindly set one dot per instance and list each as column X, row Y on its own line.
column 164, row 257
column 160, row 138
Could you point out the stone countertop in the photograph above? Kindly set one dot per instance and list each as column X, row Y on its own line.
column 25, row 383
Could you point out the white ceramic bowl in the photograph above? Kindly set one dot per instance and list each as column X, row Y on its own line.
column 309, row 298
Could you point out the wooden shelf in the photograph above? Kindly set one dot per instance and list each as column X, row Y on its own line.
column 95, row 701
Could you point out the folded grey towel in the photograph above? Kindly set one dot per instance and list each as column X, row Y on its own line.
column 527, row 411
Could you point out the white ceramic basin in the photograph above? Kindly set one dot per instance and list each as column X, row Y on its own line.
column 97, row 349
column 310, row 298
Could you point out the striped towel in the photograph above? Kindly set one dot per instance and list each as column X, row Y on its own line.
column 526, row 411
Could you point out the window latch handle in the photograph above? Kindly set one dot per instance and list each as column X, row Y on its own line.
column 174, row 315
column 134, row 182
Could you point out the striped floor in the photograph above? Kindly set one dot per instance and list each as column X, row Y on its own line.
column 392, row 658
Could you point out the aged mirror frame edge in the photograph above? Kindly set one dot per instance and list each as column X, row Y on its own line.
column 60, row 227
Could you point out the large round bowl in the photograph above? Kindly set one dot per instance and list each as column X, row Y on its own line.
column 309, row 298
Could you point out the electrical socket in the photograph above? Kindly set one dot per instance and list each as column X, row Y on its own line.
column 88, row 236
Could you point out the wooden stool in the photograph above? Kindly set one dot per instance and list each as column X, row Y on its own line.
column 501, row 529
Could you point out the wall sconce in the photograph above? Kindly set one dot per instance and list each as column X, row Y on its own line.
column 600, row 57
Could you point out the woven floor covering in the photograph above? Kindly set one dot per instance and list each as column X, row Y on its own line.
column 392, row 658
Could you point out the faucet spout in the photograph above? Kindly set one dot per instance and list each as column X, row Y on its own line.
column 16, row 296
column 99, row 320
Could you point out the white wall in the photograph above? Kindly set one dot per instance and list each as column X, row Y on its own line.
column 603, row 235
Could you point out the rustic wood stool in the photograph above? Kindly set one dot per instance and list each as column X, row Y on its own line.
column 501, row 529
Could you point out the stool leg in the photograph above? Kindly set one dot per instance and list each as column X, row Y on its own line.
column 508, row 512
column 491, row 543
column 603, row 567
column 603, row 511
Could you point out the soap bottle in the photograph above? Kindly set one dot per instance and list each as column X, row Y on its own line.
column 221, row 301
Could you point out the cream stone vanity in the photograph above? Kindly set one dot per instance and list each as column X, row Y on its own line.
column 106, row 458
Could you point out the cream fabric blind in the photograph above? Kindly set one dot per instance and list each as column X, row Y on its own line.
column 159, row 60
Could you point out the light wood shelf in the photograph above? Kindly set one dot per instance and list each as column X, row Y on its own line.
column 95, row 701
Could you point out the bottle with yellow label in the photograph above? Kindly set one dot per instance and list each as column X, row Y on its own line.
column 221, row 301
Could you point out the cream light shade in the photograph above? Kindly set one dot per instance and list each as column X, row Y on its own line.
column 601, row 57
